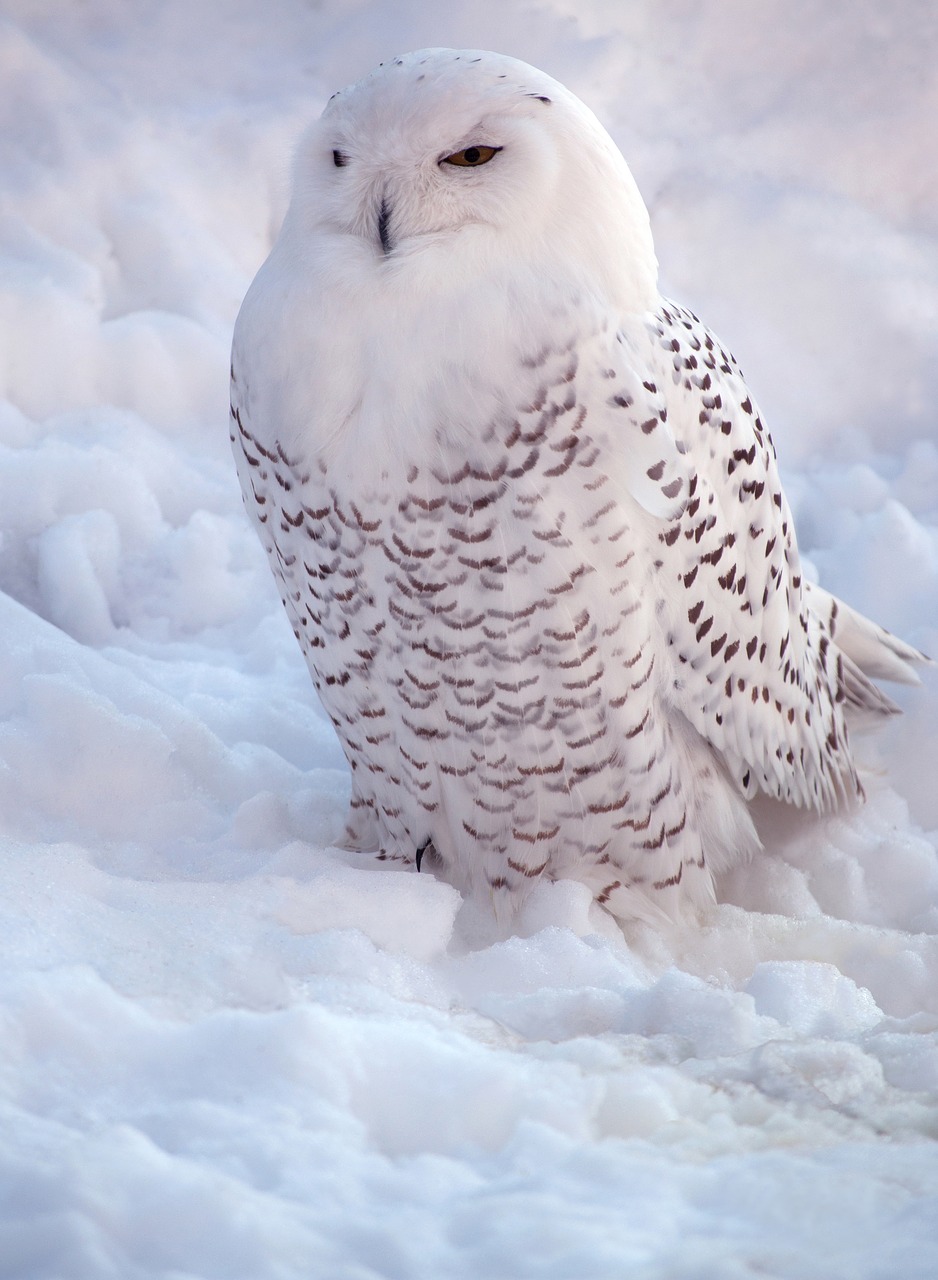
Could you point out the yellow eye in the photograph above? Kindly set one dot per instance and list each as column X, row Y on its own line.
column 471, row 157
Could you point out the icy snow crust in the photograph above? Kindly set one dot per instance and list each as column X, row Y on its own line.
column 229, row 1050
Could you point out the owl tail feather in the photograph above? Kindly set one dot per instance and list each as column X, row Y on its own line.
column 869, row 652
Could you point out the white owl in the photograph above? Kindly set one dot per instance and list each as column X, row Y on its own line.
column 524, row 514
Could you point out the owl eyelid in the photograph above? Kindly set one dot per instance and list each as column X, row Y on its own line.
column 459, row 160
column 339, row 159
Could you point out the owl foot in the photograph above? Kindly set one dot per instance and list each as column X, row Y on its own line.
column 427, row 844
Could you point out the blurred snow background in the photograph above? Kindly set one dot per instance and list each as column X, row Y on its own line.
column 228, row 1050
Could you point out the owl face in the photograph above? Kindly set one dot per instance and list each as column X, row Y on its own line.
column 476, row 159
column 403, row 157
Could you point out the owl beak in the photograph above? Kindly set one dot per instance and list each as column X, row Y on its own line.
column 384, row 218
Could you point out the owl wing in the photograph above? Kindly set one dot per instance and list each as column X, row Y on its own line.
column 755, row 668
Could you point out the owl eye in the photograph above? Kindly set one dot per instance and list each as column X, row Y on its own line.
column 471, row 157
column 338, row 159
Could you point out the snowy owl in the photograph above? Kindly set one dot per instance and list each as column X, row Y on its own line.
column 523, row 513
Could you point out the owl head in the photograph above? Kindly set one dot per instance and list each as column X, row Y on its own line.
column 462, row 164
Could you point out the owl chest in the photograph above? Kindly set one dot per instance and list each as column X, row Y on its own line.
column 466, row 604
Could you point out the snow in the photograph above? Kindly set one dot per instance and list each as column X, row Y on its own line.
column 230, row 1050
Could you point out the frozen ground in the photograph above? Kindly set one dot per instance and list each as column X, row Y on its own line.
column 228, row 1050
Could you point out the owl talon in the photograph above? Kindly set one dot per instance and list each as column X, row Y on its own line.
column 418, row 857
